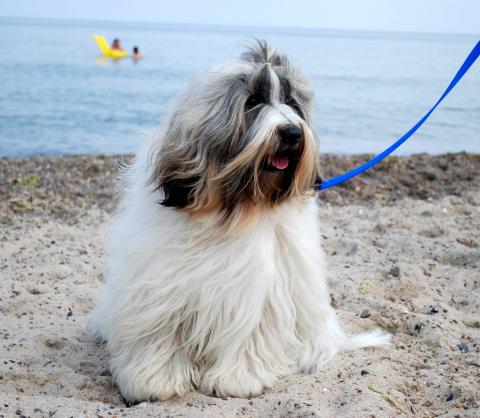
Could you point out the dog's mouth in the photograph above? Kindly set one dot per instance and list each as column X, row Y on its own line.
column 280, row 161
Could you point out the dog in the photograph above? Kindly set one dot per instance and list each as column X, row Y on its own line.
column 215, row 277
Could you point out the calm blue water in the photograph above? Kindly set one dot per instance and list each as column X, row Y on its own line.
column 56, row 97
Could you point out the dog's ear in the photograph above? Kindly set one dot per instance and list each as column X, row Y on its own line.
column 178, row 193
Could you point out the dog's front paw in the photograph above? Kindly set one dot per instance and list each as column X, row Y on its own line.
column 138, row 390
column 238, row 384
column 153, row 381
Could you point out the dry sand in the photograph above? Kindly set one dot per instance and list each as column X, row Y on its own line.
column 403, row 248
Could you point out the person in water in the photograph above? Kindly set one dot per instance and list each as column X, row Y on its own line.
column 116, row 45
column 136, row 54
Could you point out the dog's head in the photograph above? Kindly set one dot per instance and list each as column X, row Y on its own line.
column 240, row 138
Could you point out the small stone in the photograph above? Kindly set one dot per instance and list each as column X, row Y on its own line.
column 450, row 397
column 365, row 313
column 463, row 347
column 429, row 175
column 418, row 327
column 395, row 271
column 467, row 242
column 53, row 343
column 34, row 291
column 364, row 372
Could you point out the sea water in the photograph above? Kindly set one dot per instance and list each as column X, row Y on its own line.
column 58, row 97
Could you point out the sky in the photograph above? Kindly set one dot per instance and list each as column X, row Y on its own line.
column 444, row 16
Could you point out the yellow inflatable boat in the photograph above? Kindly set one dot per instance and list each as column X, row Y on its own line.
column 106, row 50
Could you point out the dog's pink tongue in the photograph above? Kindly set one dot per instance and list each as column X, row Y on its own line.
column 280, row 163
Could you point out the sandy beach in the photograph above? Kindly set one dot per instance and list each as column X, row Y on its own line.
column 403, row 247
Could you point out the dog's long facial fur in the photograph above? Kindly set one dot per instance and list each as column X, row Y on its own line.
column 224, row 151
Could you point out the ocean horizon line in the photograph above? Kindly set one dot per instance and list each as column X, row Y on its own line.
column 233, row 28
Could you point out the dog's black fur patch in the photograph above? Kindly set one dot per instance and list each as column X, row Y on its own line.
column 177, row 193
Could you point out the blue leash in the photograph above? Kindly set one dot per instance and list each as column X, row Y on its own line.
column 326, row 184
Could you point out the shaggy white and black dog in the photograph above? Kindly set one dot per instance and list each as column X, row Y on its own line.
column 216, row 277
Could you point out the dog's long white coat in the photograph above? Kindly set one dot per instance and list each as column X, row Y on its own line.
column 186, row 306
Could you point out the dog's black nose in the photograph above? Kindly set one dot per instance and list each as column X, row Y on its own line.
column 291, row 134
